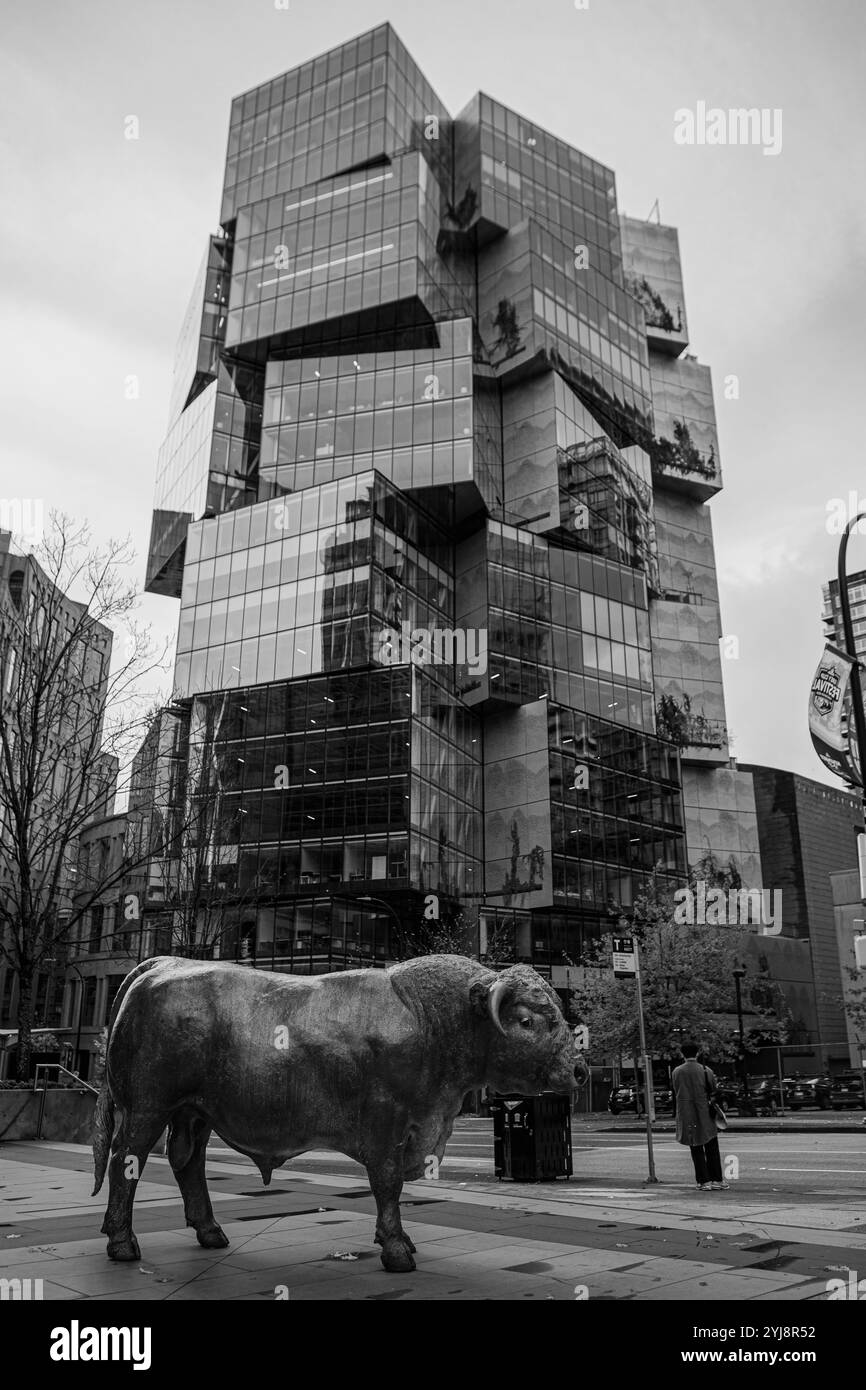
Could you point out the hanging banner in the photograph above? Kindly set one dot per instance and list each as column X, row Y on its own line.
column 836, row 748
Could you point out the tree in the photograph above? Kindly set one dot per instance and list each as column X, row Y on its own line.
column 687, row 984
column 453, row 935
column 853, row 1002
column 70, row 717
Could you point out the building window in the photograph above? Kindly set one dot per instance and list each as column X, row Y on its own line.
column 6, row 997
column 97, row 913
column 112, row 985
column 88, row 1016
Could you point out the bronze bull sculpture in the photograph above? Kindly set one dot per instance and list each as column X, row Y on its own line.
column 372, row 1063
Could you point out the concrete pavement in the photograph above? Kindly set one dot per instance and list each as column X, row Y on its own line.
column 310, row 1236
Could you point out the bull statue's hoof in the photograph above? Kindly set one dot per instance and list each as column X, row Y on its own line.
column 397, row 1258
column 124, row 1250
column 212, row 1238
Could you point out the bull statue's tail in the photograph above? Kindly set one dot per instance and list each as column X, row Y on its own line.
column 103, row 1132
column 103, row 1115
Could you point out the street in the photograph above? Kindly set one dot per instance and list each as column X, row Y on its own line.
column 793, row 1221
column 825, row 1163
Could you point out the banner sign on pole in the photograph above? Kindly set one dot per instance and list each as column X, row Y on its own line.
column 836, row 748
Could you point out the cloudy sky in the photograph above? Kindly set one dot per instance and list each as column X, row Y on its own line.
column 102, row 236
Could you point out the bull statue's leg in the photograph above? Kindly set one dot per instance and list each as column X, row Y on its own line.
column 133, row 1140
column 386, row 1183
column 187, row 1152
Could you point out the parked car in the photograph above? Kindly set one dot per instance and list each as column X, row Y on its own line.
column 803, row 1091
column 727, row 1092
column 764, row 1093
column 846, row 1088
column 627, row 1098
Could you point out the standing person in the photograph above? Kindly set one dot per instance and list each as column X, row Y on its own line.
column 693, row 1085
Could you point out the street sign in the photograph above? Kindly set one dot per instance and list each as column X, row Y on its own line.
column 581, row 1037
column 624, row 967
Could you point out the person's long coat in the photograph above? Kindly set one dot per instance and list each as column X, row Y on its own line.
column 694, row 1122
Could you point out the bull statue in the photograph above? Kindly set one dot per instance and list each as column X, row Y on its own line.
column 372, row 1063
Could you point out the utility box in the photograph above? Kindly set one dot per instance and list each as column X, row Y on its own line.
column 532, row 1137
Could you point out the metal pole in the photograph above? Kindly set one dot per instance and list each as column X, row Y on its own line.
column 781, row 1080
column 739, row 972
column 41, row 1105
column 80, row 1013
column 647, row 1071
column 848, row 628
column 856, row 695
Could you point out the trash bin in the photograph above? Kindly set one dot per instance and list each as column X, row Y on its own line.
column 532, row 1137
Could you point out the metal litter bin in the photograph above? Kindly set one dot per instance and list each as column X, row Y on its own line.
column 532, row 1137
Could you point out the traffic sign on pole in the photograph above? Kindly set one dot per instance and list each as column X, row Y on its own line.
column 624, row 963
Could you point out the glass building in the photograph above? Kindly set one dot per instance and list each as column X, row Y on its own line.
column 433, row 499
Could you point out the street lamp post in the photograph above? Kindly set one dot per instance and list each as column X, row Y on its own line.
column 739, row 976
column 856, row 697
column 848, row 629
column 365, row 898
column 80, row 1015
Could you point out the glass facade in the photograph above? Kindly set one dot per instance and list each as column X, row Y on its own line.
column 308, row 583
column 569, row 625
column 354, row 106
column 427, row 417
column 407, row 414
column 627, row 822
column 653, row 274
column 366, row 243
column 685, row 452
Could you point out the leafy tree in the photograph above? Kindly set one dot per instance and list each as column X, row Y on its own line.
column 853, row 1001
column 687, row 984
column 453, row 935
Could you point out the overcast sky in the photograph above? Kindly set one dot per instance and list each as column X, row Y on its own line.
column 101, row 237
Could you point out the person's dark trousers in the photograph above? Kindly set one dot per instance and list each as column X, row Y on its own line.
column 707, row 1161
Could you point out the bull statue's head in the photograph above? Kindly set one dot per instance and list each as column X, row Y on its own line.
column 532, row 1048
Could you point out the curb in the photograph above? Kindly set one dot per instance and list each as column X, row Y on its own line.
column 744, row 1126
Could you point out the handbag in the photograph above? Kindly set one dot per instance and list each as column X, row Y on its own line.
column 717, row 1114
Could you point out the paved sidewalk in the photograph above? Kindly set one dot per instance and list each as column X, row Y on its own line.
column 310, row 1236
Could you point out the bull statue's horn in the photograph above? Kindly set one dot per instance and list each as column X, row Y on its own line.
column 498, row 990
